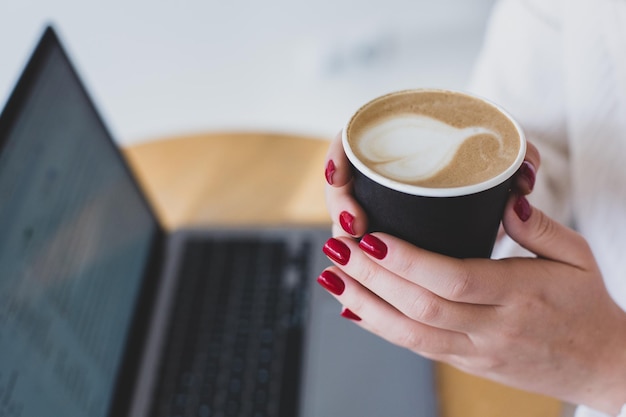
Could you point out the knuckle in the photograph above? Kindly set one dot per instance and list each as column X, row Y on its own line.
column 409, row 337
column 426, row 308
column 406, row 266
column 356, row 304
column 461, row 287
column 546, row 229
column 367, row 276
column 584, row 248
column 406, row 262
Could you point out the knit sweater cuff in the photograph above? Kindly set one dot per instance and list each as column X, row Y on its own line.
column 583, row 411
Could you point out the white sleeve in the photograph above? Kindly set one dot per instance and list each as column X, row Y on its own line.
column 520, row 68
column 583, row 411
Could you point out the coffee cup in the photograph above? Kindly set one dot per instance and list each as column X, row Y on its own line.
column 434, row 168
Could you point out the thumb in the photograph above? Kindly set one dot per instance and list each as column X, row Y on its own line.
column 542, row 235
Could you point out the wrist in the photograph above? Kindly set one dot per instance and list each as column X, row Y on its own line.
column 608, row 394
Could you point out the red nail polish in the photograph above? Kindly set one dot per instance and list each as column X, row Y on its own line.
column 346, row 220
column 374, row 246
column 347, row 313
column 331, row 282
column 330, row 171
column 337, row 251
column 522, row 208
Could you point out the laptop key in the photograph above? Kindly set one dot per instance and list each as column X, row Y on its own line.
column 241, row 299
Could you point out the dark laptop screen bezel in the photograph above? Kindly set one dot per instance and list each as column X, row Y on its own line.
column 127, row 372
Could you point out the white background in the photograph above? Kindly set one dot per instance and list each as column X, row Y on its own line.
column 158, row 68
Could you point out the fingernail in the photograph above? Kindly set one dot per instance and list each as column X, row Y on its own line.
column 337, row 251
column 330, row 171
column 331, row 282
column 528, row 173
column 374, row 246
column 346, row 220
column 347, row 313
column 522, row 208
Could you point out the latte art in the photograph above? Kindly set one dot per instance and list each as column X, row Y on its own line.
column 433, row 139
column 415, row 147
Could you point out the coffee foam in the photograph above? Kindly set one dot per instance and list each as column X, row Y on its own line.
column 433, row 138
column 413, row 147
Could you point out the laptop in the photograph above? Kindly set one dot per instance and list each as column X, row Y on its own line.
column 103, row 313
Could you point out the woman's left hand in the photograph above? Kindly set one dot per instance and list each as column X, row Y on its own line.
column 544, row 324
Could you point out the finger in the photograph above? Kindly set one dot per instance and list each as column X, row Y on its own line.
column 543, row 236
column 337, row 230
column 337, row 168
column 342, row 207
column 414, row 301
column 526, row 174
column 382, row 319
column 344, row 211
column 474, row 281
column 532, row 155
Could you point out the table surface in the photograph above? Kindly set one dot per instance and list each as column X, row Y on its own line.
column 248, row 178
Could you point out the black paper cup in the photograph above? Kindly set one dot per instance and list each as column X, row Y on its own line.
column 462, row 222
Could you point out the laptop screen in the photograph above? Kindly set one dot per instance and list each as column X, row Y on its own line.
column 75, row 237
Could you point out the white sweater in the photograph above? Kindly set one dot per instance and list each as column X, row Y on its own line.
column 559, row 67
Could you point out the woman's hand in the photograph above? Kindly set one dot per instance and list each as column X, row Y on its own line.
column 544, row 324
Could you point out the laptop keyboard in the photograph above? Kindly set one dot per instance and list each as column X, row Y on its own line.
column 235, row 337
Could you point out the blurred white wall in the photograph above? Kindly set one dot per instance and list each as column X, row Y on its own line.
column 159, row 68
